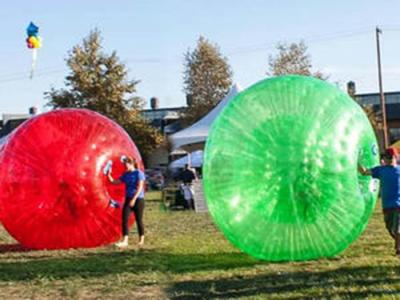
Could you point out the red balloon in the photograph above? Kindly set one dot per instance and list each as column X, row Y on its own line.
column 54, row 194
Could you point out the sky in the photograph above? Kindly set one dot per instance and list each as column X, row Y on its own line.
column 151, row 37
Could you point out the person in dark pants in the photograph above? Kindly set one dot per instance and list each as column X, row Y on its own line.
column 187, row 177
column 389, row 177
column 134, row 199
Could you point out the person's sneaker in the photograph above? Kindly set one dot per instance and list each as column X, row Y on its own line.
column 121, row 244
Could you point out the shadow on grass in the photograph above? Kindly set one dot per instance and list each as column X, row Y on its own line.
column 357, row 282
column 347, row 282
column 8, row 248
column 107, row 263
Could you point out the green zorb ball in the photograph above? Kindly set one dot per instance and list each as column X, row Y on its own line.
column 280, row 169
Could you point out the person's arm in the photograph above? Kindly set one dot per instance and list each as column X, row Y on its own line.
column 139, row 189
column 364, row 171
column 195, row 178
column 112, row 180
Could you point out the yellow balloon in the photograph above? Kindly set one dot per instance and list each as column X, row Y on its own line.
column 37, row 43
column 32, row 39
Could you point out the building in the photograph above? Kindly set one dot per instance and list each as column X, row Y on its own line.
column 11, row 121
column 167, row 121
column 392, row 104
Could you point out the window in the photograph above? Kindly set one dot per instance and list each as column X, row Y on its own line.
column 394, row 134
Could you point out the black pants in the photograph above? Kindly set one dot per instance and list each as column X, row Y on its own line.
column 137, row 209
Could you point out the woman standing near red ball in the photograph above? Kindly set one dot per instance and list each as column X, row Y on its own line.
column 133, row 178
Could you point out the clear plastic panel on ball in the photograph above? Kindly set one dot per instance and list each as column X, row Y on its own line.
column 280, row 170
column 54, row 193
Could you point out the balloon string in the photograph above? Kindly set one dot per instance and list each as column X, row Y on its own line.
column 34, row 57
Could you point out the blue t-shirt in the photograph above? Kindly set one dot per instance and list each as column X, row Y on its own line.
column 389, row 177
column 131, row 180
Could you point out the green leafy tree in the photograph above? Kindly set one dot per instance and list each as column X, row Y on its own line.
column 98, row 81
column 292, row 59
column 207, row 79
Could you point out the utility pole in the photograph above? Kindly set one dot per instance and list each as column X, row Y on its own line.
column 382, row 96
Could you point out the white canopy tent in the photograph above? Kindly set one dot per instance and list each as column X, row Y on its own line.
column 194, row 137
column 194, row 159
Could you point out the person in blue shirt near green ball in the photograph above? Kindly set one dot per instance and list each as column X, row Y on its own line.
column 389, row 176
column 133, row 179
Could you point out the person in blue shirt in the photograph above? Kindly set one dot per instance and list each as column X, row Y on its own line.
column 389, row 176
column 133, row 179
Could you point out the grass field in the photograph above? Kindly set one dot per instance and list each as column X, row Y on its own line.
column 187, row 258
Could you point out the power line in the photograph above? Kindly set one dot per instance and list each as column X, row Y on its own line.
column 5, row 78
column 26, row 76
column 22, row 73
column 309, row 40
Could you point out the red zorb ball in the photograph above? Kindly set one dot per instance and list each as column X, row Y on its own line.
column 54, row 193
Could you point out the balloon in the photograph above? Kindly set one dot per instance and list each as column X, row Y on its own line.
column 36, row 43
column 33, row 42
column 54, row 194
column 32, row 29
column 280, row 169
column 32, row 39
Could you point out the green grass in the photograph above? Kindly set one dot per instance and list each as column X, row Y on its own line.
column 153, row 196
column 186, row 257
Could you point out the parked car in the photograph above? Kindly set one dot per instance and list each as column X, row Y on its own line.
column 155, row 179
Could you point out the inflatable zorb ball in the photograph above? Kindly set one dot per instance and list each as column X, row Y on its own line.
column 2, row 143
column 53, row 191
column 280, row 169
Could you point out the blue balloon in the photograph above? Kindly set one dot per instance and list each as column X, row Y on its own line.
column 32, row 30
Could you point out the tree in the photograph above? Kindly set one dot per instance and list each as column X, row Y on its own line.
column 292, row 59
column 374, row 117
column 98, row 81
column 207, row 79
